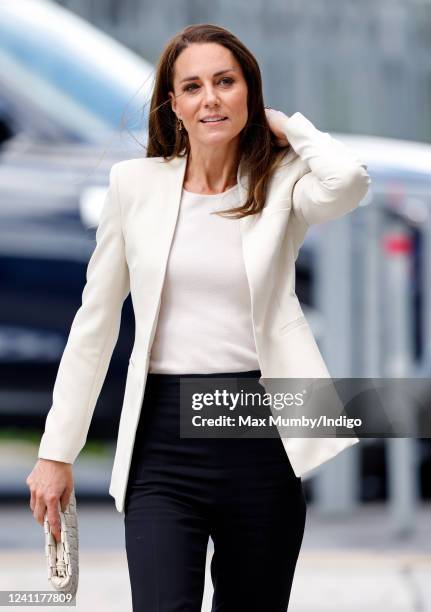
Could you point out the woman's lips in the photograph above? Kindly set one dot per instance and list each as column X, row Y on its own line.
column 213, row 122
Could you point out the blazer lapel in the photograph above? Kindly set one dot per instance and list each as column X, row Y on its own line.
column 162, row 229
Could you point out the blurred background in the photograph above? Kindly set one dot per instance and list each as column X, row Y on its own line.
column 75, row 84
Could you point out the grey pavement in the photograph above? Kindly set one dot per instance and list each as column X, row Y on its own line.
column 347, row 563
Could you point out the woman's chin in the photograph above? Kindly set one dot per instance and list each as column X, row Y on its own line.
column 215, row 140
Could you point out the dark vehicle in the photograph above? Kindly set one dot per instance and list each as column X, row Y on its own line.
column 71, row 104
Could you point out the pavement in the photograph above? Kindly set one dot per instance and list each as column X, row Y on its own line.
column 352, row 564
column 347, row 563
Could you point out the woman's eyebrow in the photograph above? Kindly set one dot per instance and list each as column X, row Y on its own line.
column 193, row 78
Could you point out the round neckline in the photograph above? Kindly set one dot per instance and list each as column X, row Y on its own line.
column 210, row 195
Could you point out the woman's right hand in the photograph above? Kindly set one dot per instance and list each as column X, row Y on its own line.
column 50, row 482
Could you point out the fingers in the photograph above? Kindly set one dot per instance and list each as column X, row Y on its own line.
column 282, row 142
column 65, row 498
column 54, row 518
column 32, row 500
column 51, row 485
column 51, row 509
column 276, row 121
column 39, row 508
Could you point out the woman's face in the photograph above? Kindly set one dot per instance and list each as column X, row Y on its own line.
column 208, row 80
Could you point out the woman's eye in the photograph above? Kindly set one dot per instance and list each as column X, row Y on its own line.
column 193, row 86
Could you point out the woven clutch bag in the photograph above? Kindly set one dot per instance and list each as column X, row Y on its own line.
column 62, row 557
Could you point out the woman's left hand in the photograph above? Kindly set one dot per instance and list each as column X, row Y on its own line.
column 275, row 119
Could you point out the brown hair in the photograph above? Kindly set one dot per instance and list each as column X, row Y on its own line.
column 260, row 153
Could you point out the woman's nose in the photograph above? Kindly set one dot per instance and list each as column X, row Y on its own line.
column 210, row 96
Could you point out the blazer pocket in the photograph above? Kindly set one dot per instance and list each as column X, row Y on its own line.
column 287, row 327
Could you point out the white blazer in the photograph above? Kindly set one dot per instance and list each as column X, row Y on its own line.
column 320, row 179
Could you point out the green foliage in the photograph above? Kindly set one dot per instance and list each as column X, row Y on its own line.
column 94, row 448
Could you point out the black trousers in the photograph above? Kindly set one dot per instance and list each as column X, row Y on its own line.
column 242, row 492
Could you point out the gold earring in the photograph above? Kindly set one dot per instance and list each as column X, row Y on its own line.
column 179, row 124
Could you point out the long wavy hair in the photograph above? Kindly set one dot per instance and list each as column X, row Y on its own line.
column 259, row 152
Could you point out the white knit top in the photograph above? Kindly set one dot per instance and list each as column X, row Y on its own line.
column 204, row 324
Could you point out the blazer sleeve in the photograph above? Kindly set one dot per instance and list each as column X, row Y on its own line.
column 92, row 337
column 336, row 181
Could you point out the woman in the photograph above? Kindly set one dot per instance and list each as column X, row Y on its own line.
column 213, row 296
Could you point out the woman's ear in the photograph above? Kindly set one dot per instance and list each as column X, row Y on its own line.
column 173, row 101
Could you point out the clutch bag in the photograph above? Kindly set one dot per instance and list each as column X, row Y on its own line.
column 62, row 557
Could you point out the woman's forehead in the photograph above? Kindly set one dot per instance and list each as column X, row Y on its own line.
column 204, row 60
